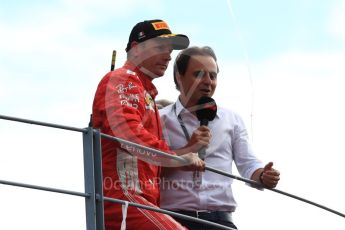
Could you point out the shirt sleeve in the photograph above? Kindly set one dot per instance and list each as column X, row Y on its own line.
column 245, row 159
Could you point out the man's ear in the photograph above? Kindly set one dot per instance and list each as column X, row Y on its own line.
column 134, row 48
column 178, row 78
column 179, row 85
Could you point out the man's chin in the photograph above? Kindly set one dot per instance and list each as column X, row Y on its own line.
column 158, row 73
column 205, row 94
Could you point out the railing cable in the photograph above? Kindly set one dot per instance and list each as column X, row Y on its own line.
column 254, row 183
column 48, row 189
column 168, row 212
column 32, row 122
column 92, row 163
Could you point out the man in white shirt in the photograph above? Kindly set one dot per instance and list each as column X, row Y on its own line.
column 206, row 195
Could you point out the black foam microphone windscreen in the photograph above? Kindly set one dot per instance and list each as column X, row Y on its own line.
column 206, row 110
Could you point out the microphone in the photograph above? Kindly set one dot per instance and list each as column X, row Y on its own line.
column 206, row 111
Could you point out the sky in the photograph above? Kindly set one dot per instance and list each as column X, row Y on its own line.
column 282, row 65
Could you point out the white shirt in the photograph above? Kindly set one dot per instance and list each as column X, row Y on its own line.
column 229, row 143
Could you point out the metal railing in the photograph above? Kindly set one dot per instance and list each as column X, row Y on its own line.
column 93, row 193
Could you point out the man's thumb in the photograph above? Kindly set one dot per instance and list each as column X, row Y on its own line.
column 268, row 166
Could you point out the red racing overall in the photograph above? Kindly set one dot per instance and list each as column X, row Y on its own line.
column 124, row 107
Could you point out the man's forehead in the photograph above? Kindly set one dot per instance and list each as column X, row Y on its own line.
column 202, row 59
column 203, row 62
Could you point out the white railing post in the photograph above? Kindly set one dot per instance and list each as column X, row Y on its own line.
column 89, row 180
column 97, row 151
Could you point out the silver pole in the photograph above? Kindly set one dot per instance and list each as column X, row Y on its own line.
column 275, row 190
column 97, row 151
column 48, row 189
column 89, row 180
column 41, row 123
column 225, row 174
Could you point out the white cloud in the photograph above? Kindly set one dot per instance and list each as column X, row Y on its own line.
column 50, row 67
column 337, row 19
column 53, row 27
column 298, row 124
column 51, row 58
column 117, row 8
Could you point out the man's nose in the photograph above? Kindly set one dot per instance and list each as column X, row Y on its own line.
column 167, row 56
column 167, row 53
column 207, row 78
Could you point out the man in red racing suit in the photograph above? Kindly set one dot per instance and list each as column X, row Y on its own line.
column 124, row 107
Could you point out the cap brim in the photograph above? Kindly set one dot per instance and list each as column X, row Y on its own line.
column 179, row 41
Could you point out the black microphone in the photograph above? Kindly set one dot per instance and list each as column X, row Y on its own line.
column 206, row 111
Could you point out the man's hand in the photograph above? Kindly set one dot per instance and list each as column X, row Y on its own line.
column 200, row 138
column 269, row 176
column 195, row 163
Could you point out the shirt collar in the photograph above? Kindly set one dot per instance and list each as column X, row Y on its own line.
column 180, row 109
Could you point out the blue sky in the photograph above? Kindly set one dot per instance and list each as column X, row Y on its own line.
column 282, row 65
